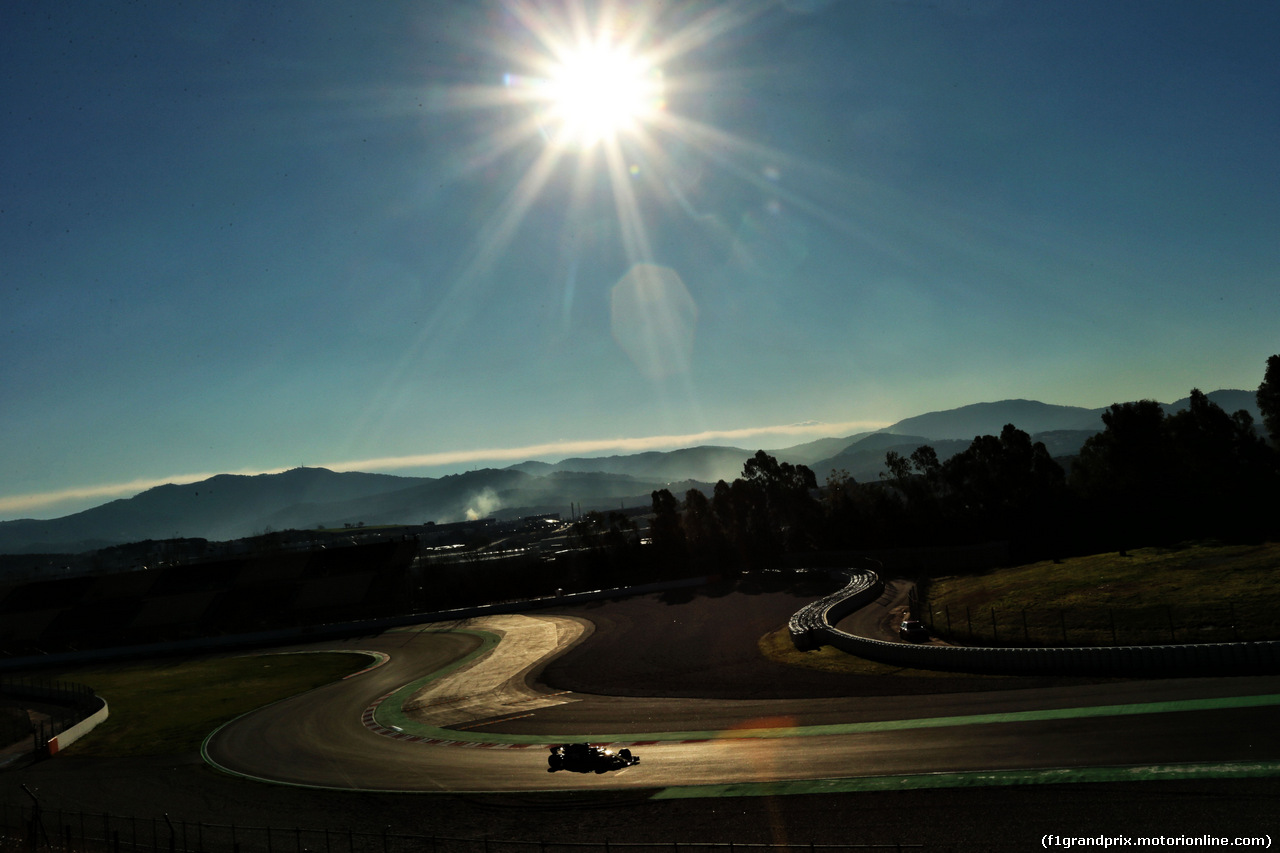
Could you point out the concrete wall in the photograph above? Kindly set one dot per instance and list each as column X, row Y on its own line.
column 813, row 626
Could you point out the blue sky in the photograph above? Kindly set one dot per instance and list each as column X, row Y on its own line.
column 242, row 237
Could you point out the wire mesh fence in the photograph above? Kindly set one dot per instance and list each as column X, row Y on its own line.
column 58, row 706
column 29, row 827
column 1155, row 624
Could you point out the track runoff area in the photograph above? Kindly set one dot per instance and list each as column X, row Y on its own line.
column 450, row 710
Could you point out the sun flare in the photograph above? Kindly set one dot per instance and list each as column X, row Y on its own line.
column 598, row 91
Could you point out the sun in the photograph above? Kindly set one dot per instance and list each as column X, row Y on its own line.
column 598, row 91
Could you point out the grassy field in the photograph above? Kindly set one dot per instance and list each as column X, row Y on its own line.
column 1200, row 592
column 167, row 707
column 1215, row 593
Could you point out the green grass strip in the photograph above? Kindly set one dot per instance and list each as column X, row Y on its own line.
column 167, row 707
column 980, row 779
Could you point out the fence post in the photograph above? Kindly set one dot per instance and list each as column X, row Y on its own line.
column 37, row 821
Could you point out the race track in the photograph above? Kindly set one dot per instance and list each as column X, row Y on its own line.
column 482, row 727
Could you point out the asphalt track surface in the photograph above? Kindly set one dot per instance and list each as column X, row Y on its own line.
column 357, row 735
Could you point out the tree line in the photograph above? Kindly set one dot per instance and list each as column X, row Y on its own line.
column 1147, row 478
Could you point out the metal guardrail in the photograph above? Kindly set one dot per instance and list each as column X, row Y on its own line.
column 814, row 626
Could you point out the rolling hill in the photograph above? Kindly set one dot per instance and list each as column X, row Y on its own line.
column 233, row 506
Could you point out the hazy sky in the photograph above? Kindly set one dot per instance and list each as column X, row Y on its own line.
column 248, row 236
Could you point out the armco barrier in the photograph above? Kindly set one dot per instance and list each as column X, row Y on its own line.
column 63, row 740
column 814, row 625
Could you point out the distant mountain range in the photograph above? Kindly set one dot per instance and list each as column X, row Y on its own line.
column 233, row 506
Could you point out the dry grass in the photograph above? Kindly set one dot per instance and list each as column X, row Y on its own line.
column 1184, row 575
column 1201, row 592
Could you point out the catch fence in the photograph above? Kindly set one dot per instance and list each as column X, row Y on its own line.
column 60, row 705
column 31, row 828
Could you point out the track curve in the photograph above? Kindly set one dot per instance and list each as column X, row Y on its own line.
column 354, row 734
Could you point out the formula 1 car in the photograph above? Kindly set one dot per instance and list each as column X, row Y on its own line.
column 587, row 758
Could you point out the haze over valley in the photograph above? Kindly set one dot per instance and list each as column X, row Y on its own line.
column 234, row 506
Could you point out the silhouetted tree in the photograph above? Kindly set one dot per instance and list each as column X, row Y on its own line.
column 898, row 467
column 668, row 534
column 924, row 459
column 782, row 499
column 1269, row 400
column 1222, row 469
column 708, row 545
column 1197, row 472
column 1006, row 487
column 1123, row 473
